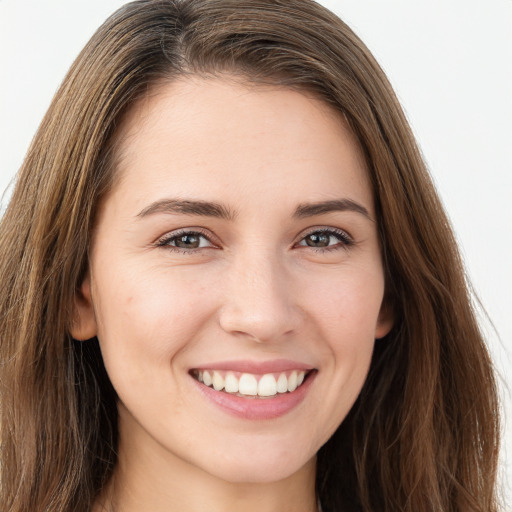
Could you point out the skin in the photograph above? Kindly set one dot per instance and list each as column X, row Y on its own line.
column 253, row 290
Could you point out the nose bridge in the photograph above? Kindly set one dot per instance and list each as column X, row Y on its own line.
column 259, row 300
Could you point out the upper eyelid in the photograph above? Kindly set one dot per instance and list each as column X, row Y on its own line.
column 215, row 240
column 185, row 231
column 325, row 229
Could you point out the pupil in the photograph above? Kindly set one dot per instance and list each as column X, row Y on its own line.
column 318, row 240
column 188, row 241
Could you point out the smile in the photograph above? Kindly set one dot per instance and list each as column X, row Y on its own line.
column 251, row 385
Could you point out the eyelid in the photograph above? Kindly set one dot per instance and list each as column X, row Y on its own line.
column 342, row 235
column 163, row 241
column 346, row 240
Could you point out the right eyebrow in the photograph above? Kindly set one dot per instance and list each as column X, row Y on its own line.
column 334, row 205
column 188, row 207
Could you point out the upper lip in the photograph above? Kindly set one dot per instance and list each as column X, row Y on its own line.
column 256, row 367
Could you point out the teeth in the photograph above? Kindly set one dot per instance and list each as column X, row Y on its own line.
column 207, row 379
column 267, row 386
column 217, row 381
column 282, row 383
column 292, row 381
column 231, row 383
column 249, row 385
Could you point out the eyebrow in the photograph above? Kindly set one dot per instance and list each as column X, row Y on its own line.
column 213, row 209
column 335, row 205
column 188, row 207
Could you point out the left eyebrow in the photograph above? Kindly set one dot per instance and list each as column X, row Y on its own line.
column 335, row 205
column 188, row 207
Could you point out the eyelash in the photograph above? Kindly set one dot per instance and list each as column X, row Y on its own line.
column 166, row 240
column 342, row 236
column 345, row 240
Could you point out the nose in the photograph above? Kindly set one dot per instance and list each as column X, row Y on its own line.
column 259, row 300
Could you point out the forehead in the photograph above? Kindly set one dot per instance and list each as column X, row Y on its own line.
column 218, row 134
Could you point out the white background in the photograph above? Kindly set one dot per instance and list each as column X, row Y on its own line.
column 450, row 62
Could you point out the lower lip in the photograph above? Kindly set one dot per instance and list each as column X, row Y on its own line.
column 257, row 408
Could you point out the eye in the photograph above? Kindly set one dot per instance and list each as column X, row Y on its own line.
column 326, row 239
column 185, row 240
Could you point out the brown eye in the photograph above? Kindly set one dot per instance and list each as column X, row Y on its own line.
column 318, row 239
column 190, row 241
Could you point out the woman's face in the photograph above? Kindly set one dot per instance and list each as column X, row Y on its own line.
column 239, row 246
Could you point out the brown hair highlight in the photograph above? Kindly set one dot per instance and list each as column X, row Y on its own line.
column 423, row 434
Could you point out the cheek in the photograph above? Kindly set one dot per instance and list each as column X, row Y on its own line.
column 347, row 306
column 346, row 315
column 146, row 321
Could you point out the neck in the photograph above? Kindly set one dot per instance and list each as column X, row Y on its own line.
column 148, row 478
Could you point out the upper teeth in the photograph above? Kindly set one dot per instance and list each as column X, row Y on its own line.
column 248, row 384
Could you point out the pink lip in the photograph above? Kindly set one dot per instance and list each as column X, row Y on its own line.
column 257, row 408
column 255, row 367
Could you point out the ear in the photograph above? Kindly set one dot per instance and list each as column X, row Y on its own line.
column 83, row 326
column 385, row 320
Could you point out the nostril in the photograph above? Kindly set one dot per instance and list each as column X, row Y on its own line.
column 261, row 324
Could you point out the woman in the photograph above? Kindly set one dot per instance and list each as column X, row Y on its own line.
column 228, row 282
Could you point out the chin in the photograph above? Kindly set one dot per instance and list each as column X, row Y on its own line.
column 247, row 470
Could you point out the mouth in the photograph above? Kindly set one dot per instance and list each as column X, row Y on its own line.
column 250, row 385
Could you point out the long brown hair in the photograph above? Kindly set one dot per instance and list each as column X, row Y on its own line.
column 423, row 434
